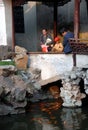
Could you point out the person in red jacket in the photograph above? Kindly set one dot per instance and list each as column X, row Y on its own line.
column 58, row 47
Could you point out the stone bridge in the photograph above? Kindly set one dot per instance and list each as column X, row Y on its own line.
column 56, row 67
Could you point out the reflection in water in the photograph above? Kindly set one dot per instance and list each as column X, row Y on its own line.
column 47, row 116
column 72, row 118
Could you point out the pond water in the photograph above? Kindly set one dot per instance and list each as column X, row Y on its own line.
column 47, row 115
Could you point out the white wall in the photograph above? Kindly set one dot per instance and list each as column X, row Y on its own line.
column 9, row 23
column 82, row 60
column 52, row 65
column 3, row 40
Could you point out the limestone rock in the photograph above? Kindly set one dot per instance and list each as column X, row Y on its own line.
column 19, row 50
column 21, row 62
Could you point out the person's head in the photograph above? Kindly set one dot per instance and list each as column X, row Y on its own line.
column 57, row 39
column 63, row 31
column 44, row 31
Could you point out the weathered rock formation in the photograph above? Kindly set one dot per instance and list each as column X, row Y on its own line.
column 15, row 89
column 21, row 58
column 71, row 92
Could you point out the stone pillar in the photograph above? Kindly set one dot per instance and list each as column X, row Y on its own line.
column 3, row 40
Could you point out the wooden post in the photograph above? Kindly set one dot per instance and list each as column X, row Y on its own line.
column 76, row 19
column 55, row 18
column 76, row 25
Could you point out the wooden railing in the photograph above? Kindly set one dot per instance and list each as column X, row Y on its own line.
column 79, row 46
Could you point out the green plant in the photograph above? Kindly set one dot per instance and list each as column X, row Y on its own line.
column 7, row 63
